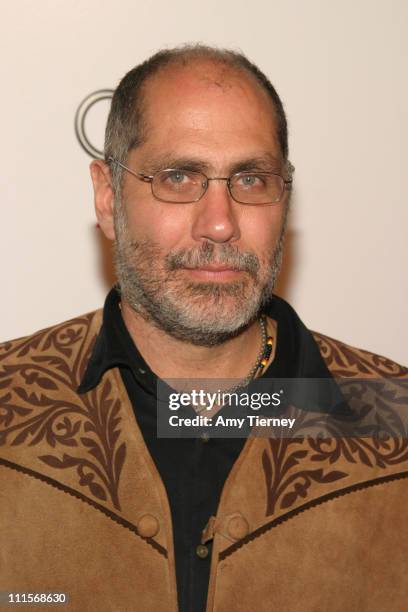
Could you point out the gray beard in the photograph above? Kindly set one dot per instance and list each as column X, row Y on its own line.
column 201, row 313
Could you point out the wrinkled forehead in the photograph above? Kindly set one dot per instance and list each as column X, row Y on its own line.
column 206, row 86
column 213, row 73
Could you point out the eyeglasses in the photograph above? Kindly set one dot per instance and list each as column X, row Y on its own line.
column 179, row 186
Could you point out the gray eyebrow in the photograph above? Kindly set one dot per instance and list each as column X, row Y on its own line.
column 264, row 162
column 175, row 161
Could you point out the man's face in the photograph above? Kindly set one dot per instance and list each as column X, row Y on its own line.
column 200, row 271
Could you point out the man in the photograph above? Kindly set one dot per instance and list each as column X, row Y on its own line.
column 194, row 191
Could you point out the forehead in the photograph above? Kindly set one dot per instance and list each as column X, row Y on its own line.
column 208, row 106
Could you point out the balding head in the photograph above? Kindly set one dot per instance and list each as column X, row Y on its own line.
column 127, row 126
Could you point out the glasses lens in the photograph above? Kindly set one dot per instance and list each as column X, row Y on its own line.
column 178, row 186
column 257, row 187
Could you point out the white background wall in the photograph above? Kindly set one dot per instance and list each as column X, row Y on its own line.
column 340, row 67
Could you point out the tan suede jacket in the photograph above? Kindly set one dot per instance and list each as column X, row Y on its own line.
column 302, row 525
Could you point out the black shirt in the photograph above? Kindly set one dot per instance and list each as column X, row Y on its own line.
column 193, row 470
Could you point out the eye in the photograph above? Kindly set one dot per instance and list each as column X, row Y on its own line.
column 177, row 181
column 177, row 177
column 250, row 181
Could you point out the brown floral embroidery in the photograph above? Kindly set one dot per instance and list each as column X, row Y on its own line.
column 284, row 485
column 39, row 375
column 287, row 482
column 344, row 360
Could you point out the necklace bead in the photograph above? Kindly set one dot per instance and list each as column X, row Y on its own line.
column 261, row 360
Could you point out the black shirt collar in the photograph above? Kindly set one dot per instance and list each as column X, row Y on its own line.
column 297, row 354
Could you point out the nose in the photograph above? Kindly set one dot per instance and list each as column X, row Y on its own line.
column 215, row 215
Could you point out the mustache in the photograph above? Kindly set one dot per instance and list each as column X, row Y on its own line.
column 210, row 253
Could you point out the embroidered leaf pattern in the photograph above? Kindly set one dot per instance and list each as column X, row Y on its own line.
column 43, row 369
column 289, row 476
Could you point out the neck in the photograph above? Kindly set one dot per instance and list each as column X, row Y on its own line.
column 169, row 357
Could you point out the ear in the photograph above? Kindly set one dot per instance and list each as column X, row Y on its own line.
column 103, row 196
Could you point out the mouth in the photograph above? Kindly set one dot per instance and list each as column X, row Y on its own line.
column 212, row 272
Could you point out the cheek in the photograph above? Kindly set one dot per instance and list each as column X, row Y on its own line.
column 261, row 227
column 165, row 224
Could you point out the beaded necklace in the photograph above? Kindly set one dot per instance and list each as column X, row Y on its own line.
column 260, row 363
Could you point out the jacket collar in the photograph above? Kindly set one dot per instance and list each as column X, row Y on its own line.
column 297, row 354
